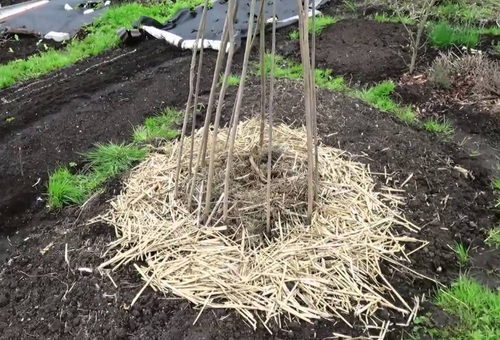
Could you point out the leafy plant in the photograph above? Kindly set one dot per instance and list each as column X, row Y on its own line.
column 158, row 127
column 294, row 35
column 496, row 184
column 321, row 22
column 10, row 119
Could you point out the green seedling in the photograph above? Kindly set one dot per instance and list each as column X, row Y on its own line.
column 462, row 254
column 436, row 127
column 10, row 119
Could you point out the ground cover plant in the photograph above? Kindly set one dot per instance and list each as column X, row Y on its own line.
column 101, row 36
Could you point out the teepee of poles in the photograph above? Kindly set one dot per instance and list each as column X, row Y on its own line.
column 205, row 157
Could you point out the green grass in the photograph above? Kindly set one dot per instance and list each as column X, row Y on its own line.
column 444, row 35
column 463, row 11
column 288, row 69
column 321, row 22
column 102, row 36
column 158, row 127
column 384, row 17
column 476, row 307
column 103, row 162
column 350, row 5
column 233, row 80
column 438, row 128
column 462, row 254
column 496, row 183
column 379, row 96
column 493, row 239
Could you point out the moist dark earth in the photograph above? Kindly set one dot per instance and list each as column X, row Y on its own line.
column 43, row 296
column 12, row 48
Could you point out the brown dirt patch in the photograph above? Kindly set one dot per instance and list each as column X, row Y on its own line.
column 25, row 46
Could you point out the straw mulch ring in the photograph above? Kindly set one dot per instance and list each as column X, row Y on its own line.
column 326, row 270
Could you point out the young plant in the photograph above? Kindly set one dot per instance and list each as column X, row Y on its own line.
column 294, row 35
column 321, row 22
column 496, row 183
column 158, row 127
column 384, row 17
column 462, row 254
column 493, row 239
column 232, row 80
column 350, row 5
column 436, row 127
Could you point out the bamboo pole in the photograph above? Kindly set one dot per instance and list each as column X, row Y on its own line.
column 314, row 101
column 220, row 103
column 239, row 101
column 304, row 48
column 270, row 128
column 188, row 103
column 200, row 160
column 198, row 81
column 262, row 75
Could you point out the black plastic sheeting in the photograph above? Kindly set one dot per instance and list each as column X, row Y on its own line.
column 52, row 17
column 185, row 23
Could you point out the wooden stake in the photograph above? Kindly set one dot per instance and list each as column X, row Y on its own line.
column 304, row 48
column 227, row 73
column 314, row 101
column 188, row 104
column 262, row 75
column 198, row 81
column 270, row 128
column 239, row 101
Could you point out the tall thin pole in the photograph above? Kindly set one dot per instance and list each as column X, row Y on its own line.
column 270, row 128
column 227, row 73
column 314, row 101
column 262, row 74
column 198, row 81
column 200, row 160
column 304, row 48
column 239, row 101
column 188, row 103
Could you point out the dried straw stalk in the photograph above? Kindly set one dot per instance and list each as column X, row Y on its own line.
column 262, row 56
column 326, row 270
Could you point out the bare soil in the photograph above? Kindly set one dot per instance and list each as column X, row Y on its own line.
column 102, row 98
column 23, row 47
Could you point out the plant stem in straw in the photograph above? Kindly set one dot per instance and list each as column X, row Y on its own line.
column 200, row 160
column 304, row 51
column 239, row 101
column 270, row 128
column 227, row 73
column 188, row 104
column 262, row 75
column 198, row 81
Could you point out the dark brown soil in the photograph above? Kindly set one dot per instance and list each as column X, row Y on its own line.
column 67, row 112
column 25, row 46
column 363, row 51
column 102, row 98
column 55, row 300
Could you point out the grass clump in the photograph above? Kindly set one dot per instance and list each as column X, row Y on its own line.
column 379, row 96
column 158, row 127
column 465, row 12
column 493, row 239
column 444, row 35
column 496, row 184
column 438, row 128
column 321, row 22
column 232, row 80
column 462, row 254
column 103, row 162
column 384, row 17
column 476, row 307
column 101, row 36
